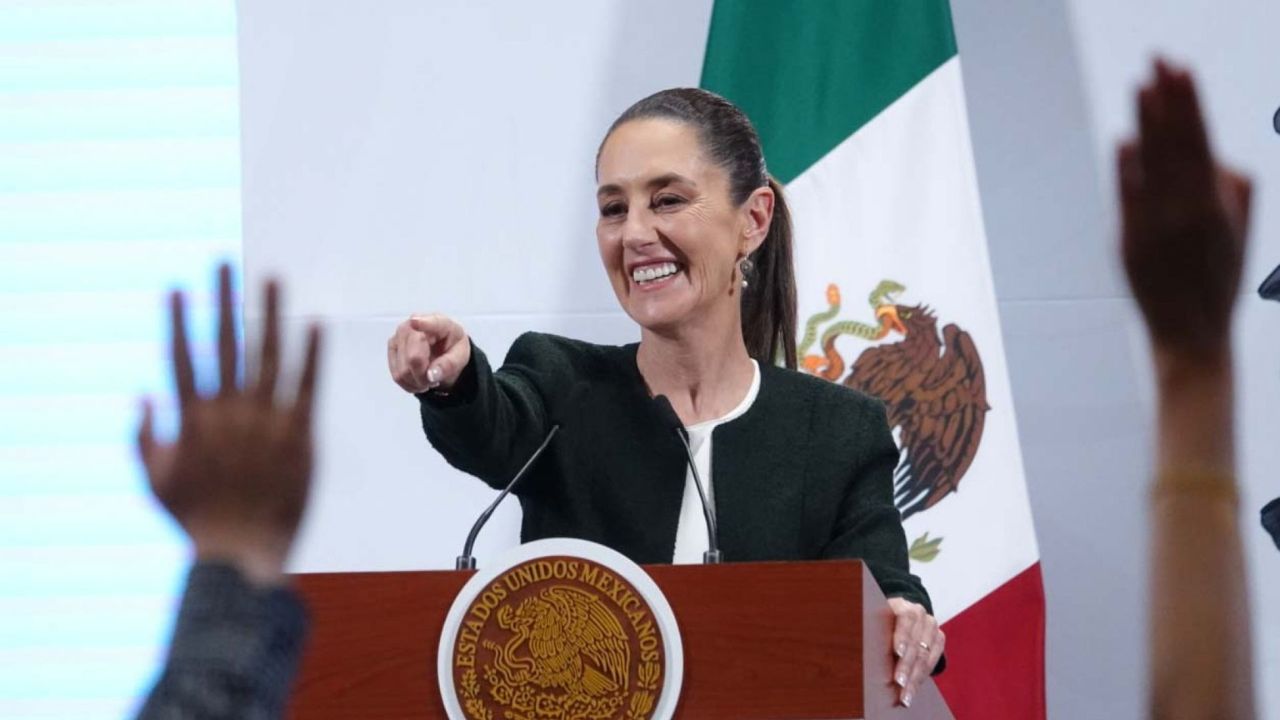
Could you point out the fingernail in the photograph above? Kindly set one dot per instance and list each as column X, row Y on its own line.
column 901, row 679
column 902, row 649
column 433, row 375
column 906, row 699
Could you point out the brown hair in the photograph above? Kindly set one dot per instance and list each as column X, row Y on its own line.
column 730, row 141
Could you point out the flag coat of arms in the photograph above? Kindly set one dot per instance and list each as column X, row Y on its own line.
column 861, row 110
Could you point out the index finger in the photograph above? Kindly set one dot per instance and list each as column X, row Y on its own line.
column 1185, row 120
column 270, row 363
column 307, row 385
column 904, row 633
column 1132, row 200
column 1129, row 172
column 227, row 353
column 437, row 326
column 184, row 377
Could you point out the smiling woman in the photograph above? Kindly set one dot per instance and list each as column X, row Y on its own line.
column 695, row 239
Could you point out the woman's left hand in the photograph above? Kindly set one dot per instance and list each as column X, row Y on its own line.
column 918, row 642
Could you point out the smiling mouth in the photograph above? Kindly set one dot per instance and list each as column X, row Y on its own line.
column 651, row 274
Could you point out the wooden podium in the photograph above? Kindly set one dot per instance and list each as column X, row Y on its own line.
column 761, row 640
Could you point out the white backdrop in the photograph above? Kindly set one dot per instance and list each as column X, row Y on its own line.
column 439, row 157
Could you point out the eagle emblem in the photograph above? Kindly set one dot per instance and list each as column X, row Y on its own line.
column 559, row 639
column 932, row 384
column 563, row 638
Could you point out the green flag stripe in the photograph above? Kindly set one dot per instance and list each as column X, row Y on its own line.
column 810, row 73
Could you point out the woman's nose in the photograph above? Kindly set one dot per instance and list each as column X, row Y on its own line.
column 638, row 230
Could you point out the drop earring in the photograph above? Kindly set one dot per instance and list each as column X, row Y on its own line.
column 745, row 267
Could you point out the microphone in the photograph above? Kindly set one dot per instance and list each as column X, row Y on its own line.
column 1270, row 287
column 465, row 561
column 672, row 421
column 1271, row 520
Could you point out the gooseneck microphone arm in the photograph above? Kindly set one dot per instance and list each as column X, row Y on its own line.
column 465, row 561
column 712, row 555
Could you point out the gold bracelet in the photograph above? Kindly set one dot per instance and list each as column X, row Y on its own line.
column 1208, row 485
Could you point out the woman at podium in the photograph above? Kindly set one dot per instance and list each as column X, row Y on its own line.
column 695, row 238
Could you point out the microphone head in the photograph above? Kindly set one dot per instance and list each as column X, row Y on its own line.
column 667, row 413
column 1271, row 520
column 1270, row 288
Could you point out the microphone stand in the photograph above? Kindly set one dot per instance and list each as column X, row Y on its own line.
column 466, row 561
column 712, row 555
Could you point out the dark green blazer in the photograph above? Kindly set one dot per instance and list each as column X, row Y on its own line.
column 804, row 474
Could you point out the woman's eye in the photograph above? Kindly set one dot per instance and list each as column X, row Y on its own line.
column 666, row 201
column 613, row 210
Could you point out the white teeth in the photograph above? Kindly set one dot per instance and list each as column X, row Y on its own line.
column 653, row 272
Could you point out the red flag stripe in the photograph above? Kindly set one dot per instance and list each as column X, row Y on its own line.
column 995, row 654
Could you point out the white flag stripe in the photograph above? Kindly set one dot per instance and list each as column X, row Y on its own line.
column 898, row 200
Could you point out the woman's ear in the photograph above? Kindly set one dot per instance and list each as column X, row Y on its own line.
column 757, row 216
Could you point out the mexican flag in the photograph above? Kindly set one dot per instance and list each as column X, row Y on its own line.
column 860, row 106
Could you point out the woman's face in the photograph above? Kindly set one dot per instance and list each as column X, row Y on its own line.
column 669, row 233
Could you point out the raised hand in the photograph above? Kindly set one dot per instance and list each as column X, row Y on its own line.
column 918, row 642
column 1183, row 238
column 1184, row 222
column 428, row 352
column 236, row 479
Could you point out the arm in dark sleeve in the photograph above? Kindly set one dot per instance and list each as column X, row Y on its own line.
column 234, row 651
column 490, row 422
column 870, row 527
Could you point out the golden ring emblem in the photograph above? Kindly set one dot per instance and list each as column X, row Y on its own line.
column 559, row 638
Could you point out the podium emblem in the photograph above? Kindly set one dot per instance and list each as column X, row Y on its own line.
column 560, row 629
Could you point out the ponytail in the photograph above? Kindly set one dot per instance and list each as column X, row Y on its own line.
column 769, row 300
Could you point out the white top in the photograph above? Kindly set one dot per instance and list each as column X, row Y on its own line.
column 691, row 530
